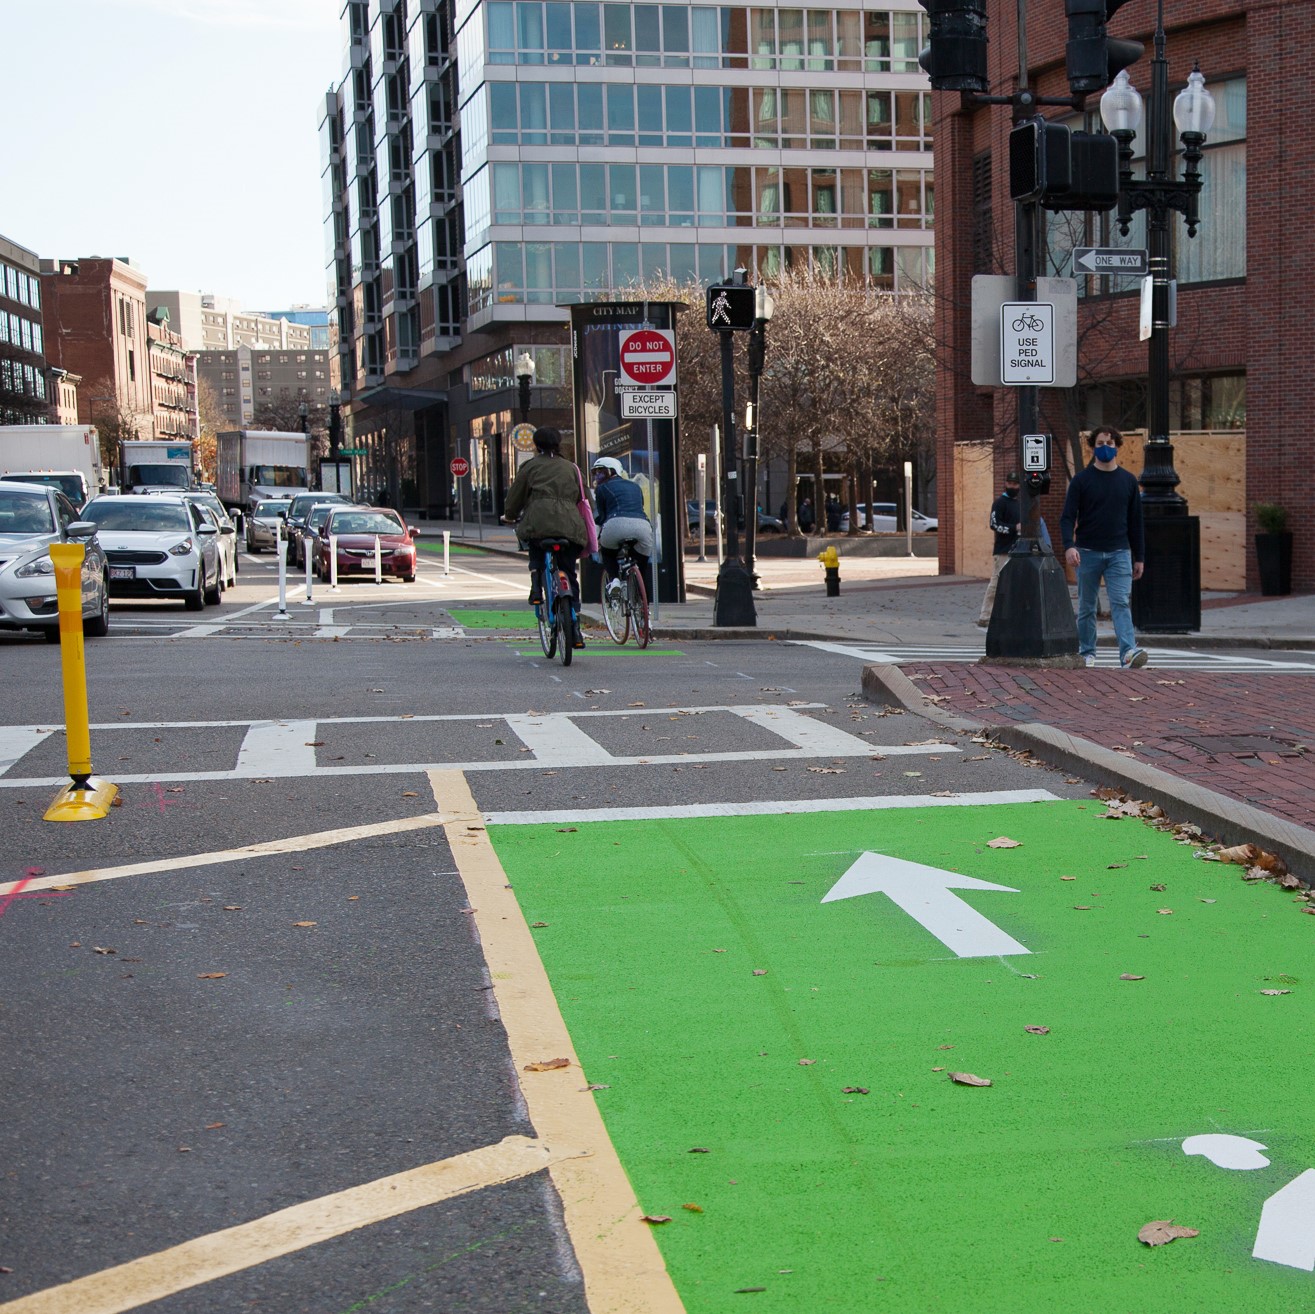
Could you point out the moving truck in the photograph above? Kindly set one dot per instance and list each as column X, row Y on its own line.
column 255, row 464
column 66, row 456
column 155, row 465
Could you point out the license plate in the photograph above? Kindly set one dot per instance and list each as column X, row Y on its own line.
column 123, row 572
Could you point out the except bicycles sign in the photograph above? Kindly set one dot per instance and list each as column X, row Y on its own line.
column 648, row 356
column 1027, row 343
column 459, row 466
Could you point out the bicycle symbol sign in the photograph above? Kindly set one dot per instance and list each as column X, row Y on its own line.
column 1027, row 343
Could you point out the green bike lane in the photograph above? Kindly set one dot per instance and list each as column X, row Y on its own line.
column 774, row 1066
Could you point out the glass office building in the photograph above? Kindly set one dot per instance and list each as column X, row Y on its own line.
column 488, row 161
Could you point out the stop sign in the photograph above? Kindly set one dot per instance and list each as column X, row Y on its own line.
column 648, row 356
column 459, row 466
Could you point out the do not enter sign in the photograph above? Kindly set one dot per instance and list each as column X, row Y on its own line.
column 459, row 466
column 648, row 356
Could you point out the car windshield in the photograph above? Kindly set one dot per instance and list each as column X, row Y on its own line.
column 365, row 522
column 25, row 513
column 147, row 515
column 318, row 515
column 271, row 509
column 215, row 505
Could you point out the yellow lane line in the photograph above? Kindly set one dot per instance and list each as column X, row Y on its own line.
column 622, row 1266
column 154, row 1277
column 293, row 844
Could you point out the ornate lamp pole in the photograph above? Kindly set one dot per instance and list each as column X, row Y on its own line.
column 525, row 377
column 1168, row 597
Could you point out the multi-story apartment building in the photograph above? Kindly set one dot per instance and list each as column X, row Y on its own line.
column 243, row 380
column 210, row 323
column 488, row 163
column 25, row 387
column 173, row 379
column 312, row 317
column 64, row 395
column 95, row 326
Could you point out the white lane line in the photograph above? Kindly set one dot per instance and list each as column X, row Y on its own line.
column 765, row 808
column 208, row 1258
column 292, row 844
column 784, row 754
column 802, row 731
column 203, row 631
column 277, row 748
column 18, row 740
column 556, row 741
column 449, row 632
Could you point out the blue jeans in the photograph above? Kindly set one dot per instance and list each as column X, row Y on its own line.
column 1116, row 567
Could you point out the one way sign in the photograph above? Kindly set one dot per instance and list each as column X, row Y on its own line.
column 1120, row 260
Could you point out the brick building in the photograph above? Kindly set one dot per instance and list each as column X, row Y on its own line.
column 25, row 388
column 1240, row 353
column 95, row 318
column 173, row 380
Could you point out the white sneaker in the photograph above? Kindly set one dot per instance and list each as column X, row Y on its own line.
column 1089, row 659
column 1136, row 658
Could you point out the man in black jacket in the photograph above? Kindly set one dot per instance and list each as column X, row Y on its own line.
column 1102, row 526
column 1006, row 517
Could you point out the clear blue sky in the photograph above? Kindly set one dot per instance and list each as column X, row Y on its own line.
column 180, row 133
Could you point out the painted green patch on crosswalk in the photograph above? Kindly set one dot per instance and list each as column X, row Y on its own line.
column 456, row 549
column 782, row 1063
column 475, row 619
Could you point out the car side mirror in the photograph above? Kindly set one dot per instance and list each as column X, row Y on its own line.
column 228, row 529
column 206, row 529
column 81, row 529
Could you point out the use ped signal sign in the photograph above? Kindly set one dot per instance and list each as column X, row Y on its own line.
column 1027, row 343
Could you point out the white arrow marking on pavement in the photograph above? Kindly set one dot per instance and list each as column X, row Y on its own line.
column 925, row 894
column 1287, row 1225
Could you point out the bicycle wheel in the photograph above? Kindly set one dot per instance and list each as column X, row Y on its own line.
column 565, row 629
column 616, row 615
column 638, row 607
column 544, row 613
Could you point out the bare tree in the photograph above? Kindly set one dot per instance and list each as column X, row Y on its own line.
column 115, row 419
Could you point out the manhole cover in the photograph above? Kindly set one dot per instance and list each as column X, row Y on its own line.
column 1245, row 744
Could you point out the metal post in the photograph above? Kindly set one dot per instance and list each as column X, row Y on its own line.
column 733, row 603
column 282, row 613
column 310, row 569
column 447, row 548
column 908, row 506
column 702, row 503
column 333, row 563
column 654, row 494
column 716, row 486
column 378, row 562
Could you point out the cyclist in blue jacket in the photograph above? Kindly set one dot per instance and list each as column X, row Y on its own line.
column 620, row 516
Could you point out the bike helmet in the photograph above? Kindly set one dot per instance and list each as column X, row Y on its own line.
column 609, row 464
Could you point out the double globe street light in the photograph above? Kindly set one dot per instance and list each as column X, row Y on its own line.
column 1167, row 599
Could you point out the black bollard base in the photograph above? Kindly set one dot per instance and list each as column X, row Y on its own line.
column 1032, row 618
column 733, row 604
column 1167, row 598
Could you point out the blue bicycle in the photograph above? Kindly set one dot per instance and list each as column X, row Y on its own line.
column 557, row 614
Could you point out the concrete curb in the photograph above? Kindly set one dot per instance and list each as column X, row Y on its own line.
column 1219, row 816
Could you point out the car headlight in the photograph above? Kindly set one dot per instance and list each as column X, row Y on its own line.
column 41, row 566
column 183, row 549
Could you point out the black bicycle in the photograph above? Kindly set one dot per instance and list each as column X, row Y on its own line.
column 625, row 599
column 557, row 614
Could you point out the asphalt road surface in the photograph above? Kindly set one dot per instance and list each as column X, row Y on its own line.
column 289, row 1029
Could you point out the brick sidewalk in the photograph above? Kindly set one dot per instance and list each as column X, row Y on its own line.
column 1247, row 736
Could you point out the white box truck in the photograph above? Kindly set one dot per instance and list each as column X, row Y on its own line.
column 155, row 465
column 254, row 464
column 66, row 456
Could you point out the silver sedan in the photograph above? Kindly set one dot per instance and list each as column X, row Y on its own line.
column 32, row 517
column 263, row 523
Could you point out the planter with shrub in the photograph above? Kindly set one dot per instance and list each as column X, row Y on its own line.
column 1273, row 549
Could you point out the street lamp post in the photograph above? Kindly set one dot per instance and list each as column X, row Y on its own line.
column 1167, row 599
column 763, row 305
column 525, row 377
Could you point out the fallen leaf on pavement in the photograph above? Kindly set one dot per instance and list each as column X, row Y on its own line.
column 232, row 907
column 760, row 971
column 1004, row 842
column 807, row 1063
column 96, row 949
column 854, row 1090
column 969, row 1079
column 693, row 1208
column 1128, row 976
column 1243, row 853
column 1162, row 1231
column 656, row 1218
column 1038, row 1031
column 305, row 923
column 211, row 976
column 548, row 1065
column 1276, row 992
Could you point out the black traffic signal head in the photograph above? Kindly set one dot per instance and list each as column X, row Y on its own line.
column 955, row 56
column 1092, row 57
column 1038, row 160
column 1093, row 174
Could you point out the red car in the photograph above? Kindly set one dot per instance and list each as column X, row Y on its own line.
column 355, row 530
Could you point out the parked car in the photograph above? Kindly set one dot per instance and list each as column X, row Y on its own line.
column 298, row 510
column 263, row 523
column 767, row 524
column 227, row 533
column 32, row 517
column 354, row 530
column 159, row 545
column 885, row 519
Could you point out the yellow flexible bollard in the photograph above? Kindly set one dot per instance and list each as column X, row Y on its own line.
column 85, row 799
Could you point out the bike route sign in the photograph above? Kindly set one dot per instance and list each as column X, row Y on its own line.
column 1027, row 343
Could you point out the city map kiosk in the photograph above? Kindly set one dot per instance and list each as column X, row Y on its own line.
column 621, row 351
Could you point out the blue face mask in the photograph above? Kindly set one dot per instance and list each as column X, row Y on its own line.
column 1106, row 452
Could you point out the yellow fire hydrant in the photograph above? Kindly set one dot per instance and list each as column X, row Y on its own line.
column 830, row 560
